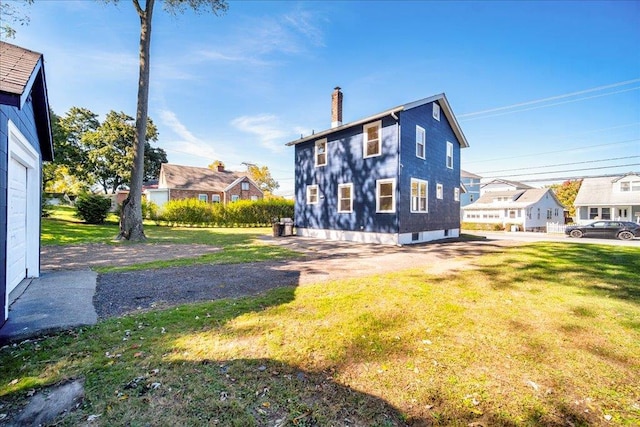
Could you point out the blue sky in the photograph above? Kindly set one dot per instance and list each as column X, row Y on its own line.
column 533, row 84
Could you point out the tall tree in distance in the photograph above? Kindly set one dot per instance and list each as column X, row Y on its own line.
column 262, row 176
column 566, row 193
column 131, row 217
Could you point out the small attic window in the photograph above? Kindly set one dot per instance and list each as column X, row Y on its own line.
column 436, row 111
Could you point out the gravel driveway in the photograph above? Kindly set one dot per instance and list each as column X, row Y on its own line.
column 126, row 292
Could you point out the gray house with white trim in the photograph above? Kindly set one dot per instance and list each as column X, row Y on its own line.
column 25, row 141
column 609, row 197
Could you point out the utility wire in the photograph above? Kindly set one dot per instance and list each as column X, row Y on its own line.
column 560, row 164
column 562, row 171
column 552, row 98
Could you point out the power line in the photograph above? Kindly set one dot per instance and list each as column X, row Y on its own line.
column 554, row 152
column 562, row 171
column 570, row 178
column 551, row 98
column 560, row 164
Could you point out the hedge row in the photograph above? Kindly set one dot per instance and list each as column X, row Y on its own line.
column 243, row 213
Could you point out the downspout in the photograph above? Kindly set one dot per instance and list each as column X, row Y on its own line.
column 398, row 213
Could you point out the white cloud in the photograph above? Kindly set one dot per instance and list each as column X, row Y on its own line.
column 186, row 142
column 267, row 129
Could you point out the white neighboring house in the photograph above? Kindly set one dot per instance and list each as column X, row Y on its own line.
column 503, row 185
column 611, row 197
column 524, row 210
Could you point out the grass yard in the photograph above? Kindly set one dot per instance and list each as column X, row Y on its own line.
column 542, row 334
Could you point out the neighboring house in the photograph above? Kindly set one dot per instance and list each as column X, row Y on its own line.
column 503, row 185
column 529, row 210
column 25, row 141
column 610, row 197
column 471, row 184
column 213, row 186
column 392, row 178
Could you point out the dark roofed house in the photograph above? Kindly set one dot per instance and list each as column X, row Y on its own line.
column 214, row 186
column 25, row 141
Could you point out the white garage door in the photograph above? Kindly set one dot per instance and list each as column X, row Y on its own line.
column 16, row 224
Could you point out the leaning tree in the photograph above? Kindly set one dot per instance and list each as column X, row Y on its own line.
column 131, row 216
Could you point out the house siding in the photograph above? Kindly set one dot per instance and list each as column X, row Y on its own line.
column 24, row 119
column 443, row 214
column 346, row 164
column 237, row 190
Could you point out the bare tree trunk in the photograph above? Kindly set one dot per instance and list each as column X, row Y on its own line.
column 131, row 216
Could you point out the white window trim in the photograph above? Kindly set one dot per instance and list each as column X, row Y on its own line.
column 456, row 194
column 449, row 155
column 439, row 191
column 215, row 198
column 350, row 186
column 244, row 184
column 309, row 188
column 315, row 156
column 436, row 111
column 203, row 199
column 365, row 141
column 392, row 181
column 426, row 196
column 235, row 198
column 421, row 132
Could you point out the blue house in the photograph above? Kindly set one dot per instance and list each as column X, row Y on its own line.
column 25, row 141
column 391, row 178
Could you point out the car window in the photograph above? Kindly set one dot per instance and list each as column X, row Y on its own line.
column 599, row 224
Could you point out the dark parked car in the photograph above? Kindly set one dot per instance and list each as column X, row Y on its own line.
column 622, row 230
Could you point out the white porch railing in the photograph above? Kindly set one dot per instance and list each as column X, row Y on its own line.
column 554, row 227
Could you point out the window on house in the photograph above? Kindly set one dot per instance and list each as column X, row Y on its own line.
column 439, row 191
column 549, row 212
column 418, row 195
column 436, row 111
column 630, row 186
column 235, row 198
column 312, row 194
column 385, row 195
column 215, row 198
column 512, row 214
column 254, row 198
column 245, row 186
column 420, row 142
column 372, row 139
column 538, row 213
column 593, row 213
column 203, row 197
column 321, row 152
column 345, row 198
column 456, row 194
column 606, row 213
column 449, row 155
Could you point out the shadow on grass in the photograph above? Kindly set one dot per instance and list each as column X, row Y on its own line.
column 607, row 271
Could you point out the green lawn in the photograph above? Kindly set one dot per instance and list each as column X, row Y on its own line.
column 238, row 244
column 542, row 334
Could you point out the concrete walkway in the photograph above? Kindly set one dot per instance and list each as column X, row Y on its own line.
column 55, row 301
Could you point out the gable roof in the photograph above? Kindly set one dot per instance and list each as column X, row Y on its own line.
column 197, row 178
column 602, row 191
column 21, row 75
column 440, row 98
column 515, row 184
column 519, row 199
column 466, row 174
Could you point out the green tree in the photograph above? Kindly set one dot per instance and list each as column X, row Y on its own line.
column 566, row 193
column 11, row 15
column 262, row 176
column 153, row 160
column 131, row 217
column 110, row 150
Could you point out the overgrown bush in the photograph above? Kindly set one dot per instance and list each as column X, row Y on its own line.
column 243, row 213
column 150, row 210
column 92, row 208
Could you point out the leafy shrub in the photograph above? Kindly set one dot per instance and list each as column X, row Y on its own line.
column 150, row 210
column 243, row 213
column 92, row 208
column 45, row 207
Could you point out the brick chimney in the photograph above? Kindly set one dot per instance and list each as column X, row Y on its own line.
column 336, row 108
column 220, row 167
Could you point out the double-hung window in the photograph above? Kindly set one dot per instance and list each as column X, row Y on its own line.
column 235, row 198
column 420, row 142
column 345, row 198
column 215, row 198
column 386, row 195
column 312, row 194
column 321, row 152
column 245, row 186
column 439, row 191
column 449, row 155
column 372, row 139
column 419, row 195
column 203, row 198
